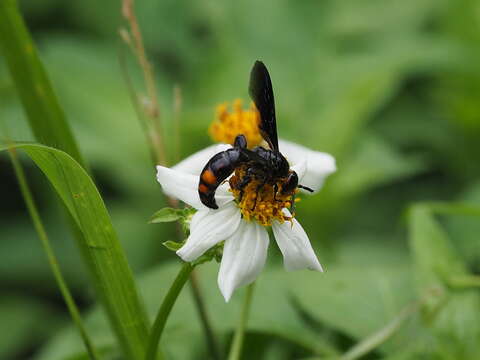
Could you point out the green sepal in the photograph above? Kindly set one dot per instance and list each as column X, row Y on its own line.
column 173, row 245
column 166, row 215
column 213, row 253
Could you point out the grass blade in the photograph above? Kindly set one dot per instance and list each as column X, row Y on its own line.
column 376, row 339
column 100, row 248
column 46, row 117
column 52, row 259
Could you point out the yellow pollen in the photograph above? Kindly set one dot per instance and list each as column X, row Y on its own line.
column 228, row 124
column 263, row 208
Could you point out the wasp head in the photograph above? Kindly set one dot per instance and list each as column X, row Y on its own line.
column 290, row 183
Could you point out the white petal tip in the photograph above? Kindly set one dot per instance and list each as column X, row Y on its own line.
column 180, row 254
column 317, row 267
column 183, row 254
column 227, row 294
column 159, row 171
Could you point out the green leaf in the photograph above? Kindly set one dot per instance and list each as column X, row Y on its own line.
column 456, row 323
column 466, row 227
column 51, row 256
column 172, row 245
column 275, row 317
column 434, row 255
column 101, row 250
column 376, row 339
column 44, row 113
column 355, row 301
column 166, row 215
column 343, row 299
column 22, row 323
column 374, row 162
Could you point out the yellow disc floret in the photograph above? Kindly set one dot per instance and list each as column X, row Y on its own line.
column 228, row 124
column 260, row 203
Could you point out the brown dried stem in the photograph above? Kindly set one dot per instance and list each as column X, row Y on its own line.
column 149, row 104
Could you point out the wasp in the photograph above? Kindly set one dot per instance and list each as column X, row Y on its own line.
column 266, row 166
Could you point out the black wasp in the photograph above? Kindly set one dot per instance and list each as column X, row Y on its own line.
column 266, row 166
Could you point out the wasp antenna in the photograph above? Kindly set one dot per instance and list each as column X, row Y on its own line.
column 305, row 188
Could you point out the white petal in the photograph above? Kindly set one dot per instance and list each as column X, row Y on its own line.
column 295, row 246
column 194, row 163
column 244, row 256
column 319, row 164
column 184, row 187
column 209, row 227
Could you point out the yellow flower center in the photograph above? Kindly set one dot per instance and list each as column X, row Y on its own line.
column 228, row 124
column 260, row 203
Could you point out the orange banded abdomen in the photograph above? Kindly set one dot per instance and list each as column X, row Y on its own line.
column 217, row 170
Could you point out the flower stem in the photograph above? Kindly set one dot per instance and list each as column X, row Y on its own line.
column 202, row 311
column 165, row 309
column 236, row 348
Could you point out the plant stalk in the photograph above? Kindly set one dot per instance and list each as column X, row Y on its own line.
column 236, row 348
column 165, row 309
column 202, row 311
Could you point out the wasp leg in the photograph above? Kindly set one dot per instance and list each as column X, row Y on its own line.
column 292, row 207
column 305, row 188
column 275, row 192
column 259, row 187
column 245, row 181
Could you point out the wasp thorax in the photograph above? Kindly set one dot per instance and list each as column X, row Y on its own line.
column 262, row 203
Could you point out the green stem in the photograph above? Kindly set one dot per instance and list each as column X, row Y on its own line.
column 236, row 348
column 202, row 311
column 52, row 260
column 165, row 309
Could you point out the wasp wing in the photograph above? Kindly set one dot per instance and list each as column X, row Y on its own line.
column 261, row 92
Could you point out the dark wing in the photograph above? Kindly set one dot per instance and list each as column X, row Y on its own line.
column 261, row 92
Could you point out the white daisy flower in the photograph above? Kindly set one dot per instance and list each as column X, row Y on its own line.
column 243, row 228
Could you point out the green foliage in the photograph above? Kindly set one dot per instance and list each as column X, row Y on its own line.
column 390, row 88
column 183, row 216
column 452, row 313
column 102, row 253
column 23, row 322
column 45, row 115
column 172, row 245
column 167, row 215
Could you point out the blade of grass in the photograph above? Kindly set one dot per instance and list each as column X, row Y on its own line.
column 100, row 247
column 376, row 339
column 52, row 259
column 46, row 117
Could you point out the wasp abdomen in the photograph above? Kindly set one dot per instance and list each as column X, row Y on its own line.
column 218, row 168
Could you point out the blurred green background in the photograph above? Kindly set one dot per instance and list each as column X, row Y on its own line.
column 390, row 88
